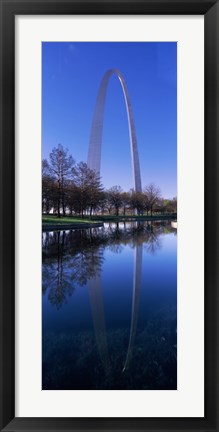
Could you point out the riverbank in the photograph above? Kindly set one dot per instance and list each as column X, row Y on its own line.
column 53, row 223
column 134, row 218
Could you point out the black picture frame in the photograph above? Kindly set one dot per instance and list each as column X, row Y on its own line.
column 8, row 10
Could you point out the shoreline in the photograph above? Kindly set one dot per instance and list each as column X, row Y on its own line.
column 69, row 226
column 58, row 226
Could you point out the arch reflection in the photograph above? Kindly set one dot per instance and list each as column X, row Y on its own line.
column 97, row 307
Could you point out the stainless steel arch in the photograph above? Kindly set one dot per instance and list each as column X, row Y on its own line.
column 94, row 152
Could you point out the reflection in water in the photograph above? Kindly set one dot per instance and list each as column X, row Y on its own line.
column 60, row 282
column 96, row 300
column 67, row 262
column 72, row 259
column 75, row 257
column 135, row 302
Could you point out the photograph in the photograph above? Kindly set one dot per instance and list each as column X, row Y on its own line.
column 109, row 287
column 109, row 215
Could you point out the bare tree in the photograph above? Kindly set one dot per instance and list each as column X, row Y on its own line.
column 47, row 188
column 126, row 201
column 60, row 167
column 115, row 198
column 87, row 186
column 152, row 192
column 137, row 201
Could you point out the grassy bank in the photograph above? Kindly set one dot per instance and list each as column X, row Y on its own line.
column 51, row 222
column 48, row 219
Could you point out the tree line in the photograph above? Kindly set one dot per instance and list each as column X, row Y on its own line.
column 74, row 189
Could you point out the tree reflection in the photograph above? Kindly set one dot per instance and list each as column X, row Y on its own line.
column 65, row 265
column 60, row 282
column 72, row 258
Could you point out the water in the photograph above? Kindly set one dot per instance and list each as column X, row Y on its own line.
column 109, row 308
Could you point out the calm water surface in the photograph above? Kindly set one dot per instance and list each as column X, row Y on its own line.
column 109, row 308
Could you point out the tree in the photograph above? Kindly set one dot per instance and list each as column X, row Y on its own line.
column 163, row 205
column 115, row 198
column 174, row 205
column 152, row 193
column 125, row 201
column 73, row 199
column 95, row 189
column 171, row 205
column 103, row 204
column 107, row 202
column 146, row 204
column 47, row 188
column 88, row 187
column 137, row 201
column 60, row 168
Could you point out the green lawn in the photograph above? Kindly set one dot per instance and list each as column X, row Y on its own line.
column 50, row 219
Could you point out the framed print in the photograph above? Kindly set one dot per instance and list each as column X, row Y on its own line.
column 109, row 231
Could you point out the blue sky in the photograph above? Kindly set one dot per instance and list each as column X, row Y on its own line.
column 71, row 74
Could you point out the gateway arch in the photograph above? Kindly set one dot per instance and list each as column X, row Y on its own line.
column 94, row 152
